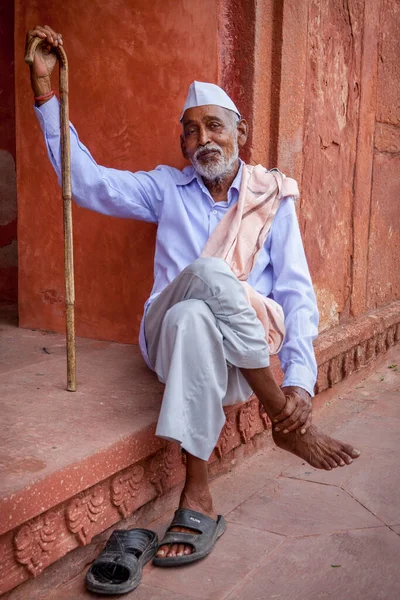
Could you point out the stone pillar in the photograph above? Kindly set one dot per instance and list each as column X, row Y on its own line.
column 364, row 157
column 292, row 88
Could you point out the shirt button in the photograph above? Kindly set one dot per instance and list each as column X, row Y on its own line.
column 214, row 212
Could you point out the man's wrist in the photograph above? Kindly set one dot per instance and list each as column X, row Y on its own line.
column 42, row 91
column 45, row 98
column 297, row 389
column 40, row 85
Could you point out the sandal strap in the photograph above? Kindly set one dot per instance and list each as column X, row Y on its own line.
column 202, row 543
column 185, row 517
column 129, row 541
column 122, row 559
column 179, row 537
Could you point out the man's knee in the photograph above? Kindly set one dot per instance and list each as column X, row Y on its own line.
column 187, row 312
column 208, row 269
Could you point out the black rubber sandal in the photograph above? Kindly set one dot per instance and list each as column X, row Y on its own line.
column 118, row 569
column 202, row 542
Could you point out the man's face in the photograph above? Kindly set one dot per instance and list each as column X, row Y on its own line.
column 210, row 139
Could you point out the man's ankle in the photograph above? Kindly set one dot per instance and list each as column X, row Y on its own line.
column 197, row 500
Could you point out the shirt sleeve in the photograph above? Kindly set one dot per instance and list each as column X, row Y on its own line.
column 293, row 290
column 104, row 190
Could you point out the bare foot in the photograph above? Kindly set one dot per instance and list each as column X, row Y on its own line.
column 195, row 500
column 318, row 449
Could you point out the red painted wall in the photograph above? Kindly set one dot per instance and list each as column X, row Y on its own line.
column 130, row 66
column 8, row 191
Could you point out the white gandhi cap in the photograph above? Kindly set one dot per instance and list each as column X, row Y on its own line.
column 201, row 94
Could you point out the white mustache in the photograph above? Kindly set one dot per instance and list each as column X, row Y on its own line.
column 201, row 151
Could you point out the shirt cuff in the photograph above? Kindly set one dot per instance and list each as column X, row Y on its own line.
column 48, row 115
column 300, row 376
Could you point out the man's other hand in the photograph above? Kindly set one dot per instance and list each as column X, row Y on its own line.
column 297, row 412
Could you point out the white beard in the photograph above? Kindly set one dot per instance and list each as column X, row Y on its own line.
column 219, row 167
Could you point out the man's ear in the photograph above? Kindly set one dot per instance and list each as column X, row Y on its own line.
column 183, row 147
column 243, row 132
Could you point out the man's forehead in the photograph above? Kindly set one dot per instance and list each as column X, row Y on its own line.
column 208, row 111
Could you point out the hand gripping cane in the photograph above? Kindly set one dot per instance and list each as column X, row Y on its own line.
column 66, row 195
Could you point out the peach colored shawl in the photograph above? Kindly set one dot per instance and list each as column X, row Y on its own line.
column 240, row 236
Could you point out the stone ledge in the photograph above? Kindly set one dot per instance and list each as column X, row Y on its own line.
column 28, row 547
column 347, row 348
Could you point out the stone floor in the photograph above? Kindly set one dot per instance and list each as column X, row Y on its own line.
column 297, row 533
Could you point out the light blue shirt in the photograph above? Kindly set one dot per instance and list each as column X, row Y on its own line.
column 186, row 214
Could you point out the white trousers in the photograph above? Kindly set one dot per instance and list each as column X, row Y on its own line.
column 199, row 331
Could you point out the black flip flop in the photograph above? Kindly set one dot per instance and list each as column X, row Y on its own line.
column 118, row 569
column 202, row 542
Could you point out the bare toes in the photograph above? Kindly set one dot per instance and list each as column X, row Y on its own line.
column 325, row 465
column 187, row 550
column 338, row 459
column 180, row 550
column 352, row 452
column 162, row 551
column 172, row 551
column 331, row 462
column 346, row 458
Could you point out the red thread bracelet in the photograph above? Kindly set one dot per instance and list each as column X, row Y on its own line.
column 45, row 96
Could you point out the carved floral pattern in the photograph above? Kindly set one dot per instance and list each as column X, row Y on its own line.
column 227, row 432
column 83, row 512
column 124, row 490
column 263, row 416
column 162, row 466
column 247, row 419
column 35, row 540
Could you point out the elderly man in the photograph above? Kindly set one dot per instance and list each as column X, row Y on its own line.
column 200, row 332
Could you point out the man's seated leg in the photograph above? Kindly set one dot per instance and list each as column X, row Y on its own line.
column 190, row 360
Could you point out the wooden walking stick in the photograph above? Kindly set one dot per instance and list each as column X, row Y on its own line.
column 67, row 208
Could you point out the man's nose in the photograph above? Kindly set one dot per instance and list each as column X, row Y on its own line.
column 204, row 137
